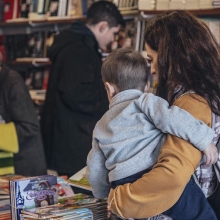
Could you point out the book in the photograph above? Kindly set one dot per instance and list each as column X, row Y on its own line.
column 64, row 189
column 67, row 207
column 74, row 8
column 80, row 180
column 11, row 9
column 32, row 192
column 58, row 210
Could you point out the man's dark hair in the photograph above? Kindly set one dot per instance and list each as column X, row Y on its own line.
column 125, row 68
column 104, row 11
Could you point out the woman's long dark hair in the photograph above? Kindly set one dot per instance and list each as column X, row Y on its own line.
column 188, row 55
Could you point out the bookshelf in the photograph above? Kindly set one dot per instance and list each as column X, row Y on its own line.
column 195, row 12
column 26, row 26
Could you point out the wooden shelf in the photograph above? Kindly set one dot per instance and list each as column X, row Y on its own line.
column 49, row 21
column 195, row 12
column 33, row 62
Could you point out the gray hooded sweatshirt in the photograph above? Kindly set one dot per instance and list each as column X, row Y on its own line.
column 128, row 138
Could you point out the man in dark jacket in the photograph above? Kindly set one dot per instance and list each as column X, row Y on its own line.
column 76, row 98
column 17, row 107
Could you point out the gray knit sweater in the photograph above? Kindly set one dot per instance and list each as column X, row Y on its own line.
column 128, row 138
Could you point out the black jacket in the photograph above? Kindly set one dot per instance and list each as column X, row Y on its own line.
column 75, row 100
column 16, row 106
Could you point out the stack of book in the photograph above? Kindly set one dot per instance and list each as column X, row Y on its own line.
column 177, row 4
column 97, row 206
column 192, row 5
column 32, row 192
column 163, row 4
column 127, row 6
column 77, row 207
column 216, row 3
column 206, row 4
column 146, row 4
column 5, row 208
column 5, row 213
column 57, row 212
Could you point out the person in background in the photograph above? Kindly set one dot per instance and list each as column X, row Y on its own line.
column 76, row 98
column 128, row 138
column 21, row 146
column 184, row 56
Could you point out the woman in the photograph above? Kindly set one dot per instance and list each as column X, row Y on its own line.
column 184, row 56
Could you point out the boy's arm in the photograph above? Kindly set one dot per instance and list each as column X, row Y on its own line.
column 158, row 190
column 97, row 172
column 175, row 121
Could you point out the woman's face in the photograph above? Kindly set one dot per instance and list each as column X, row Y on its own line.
column 152, row 60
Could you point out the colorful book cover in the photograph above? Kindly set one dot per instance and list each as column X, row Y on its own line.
column 34, row 192
column 80, row 180
column 11, row 9
column 64, row 189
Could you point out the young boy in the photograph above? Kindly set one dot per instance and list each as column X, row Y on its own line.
column 128, row 138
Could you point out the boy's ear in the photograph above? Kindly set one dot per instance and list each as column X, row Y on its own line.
column 102, row 26
column 110, row 89
column 147, row 87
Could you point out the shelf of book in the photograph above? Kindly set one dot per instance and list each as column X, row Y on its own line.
column 31, row 61
column 195, row 12
column 50, row 20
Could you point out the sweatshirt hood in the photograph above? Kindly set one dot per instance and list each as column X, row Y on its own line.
column 67, row 37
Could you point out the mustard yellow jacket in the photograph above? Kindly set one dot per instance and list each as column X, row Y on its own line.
column 161, row 188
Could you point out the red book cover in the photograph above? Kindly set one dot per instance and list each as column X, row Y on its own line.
column 2, row 52
column 11, row 9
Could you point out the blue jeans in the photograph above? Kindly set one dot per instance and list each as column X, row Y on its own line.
column 192, row 205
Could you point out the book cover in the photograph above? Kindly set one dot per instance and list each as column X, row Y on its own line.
column 34, row 192
column 11, row 9
column 64, row 189
column 80, row 180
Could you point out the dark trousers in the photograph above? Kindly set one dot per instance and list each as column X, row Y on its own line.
column 214, row 201
column 192, row 205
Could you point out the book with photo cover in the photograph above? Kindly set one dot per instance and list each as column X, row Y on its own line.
column 80, row 180
column 64, row 189
column 32, row 192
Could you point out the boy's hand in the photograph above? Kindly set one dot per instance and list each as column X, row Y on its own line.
column 211, row 153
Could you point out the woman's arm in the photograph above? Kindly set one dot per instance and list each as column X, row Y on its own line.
column 160, row 189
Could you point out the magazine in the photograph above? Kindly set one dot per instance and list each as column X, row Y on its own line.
column 80, row 180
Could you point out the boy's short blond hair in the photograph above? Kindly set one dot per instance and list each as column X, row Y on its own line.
column 125, row 68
